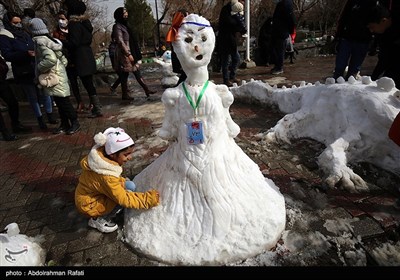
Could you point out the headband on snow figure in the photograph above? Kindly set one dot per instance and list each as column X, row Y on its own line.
column 177, row 22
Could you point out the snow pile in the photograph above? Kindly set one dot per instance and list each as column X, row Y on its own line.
column 19, row 250
column 351, row 118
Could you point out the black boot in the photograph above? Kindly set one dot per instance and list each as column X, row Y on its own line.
column 96, row 110
column 63, row 128
column 74, row 127
column 125, row 95
column 142, row 83
column 20, row 128
column 51, row 119
column 147, row 91
column 7, row 136
column 41, row 122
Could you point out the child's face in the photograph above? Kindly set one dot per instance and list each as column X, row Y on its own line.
column 122, row 157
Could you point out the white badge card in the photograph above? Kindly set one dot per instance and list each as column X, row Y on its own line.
column 195, row 133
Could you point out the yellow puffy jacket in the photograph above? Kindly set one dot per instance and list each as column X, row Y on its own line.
column 101, row 187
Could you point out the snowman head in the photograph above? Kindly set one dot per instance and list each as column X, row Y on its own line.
column 166, row 56
column 194, row 42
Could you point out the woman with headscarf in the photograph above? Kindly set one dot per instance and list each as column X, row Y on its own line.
column 80, row 53
column 17, row 47
column 127, row 54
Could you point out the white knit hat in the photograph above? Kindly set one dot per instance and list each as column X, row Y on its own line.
column 37, row 27
column 237, row 8
column 114, row 139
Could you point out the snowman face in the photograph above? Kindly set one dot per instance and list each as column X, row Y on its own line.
column 195, row 42
column 167, row 56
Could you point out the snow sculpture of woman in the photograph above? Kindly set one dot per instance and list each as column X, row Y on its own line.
column 216, row 206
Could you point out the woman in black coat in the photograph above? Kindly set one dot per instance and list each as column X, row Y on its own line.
column 283, row 24
column 80, row 52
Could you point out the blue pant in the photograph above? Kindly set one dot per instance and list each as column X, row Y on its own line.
column 229, row 72
column 352, row 54
column 130, row 187
column 32, row 94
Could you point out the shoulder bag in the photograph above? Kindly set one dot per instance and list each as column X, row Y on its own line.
column 49, row 79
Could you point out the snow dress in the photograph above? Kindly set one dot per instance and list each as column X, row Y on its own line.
column 216, row 207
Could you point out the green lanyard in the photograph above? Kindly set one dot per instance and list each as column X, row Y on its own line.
column 189, row 98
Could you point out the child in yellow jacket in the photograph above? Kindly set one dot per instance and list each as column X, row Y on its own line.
column 101, row 187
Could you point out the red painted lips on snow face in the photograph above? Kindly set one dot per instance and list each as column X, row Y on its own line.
column 123, row 140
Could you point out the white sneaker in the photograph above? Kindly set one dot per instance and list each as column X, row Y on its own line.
column 102, row 225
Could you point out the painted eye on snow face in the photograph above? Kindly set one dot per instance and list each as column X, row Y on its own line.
column 188, row 39
column 204, row 38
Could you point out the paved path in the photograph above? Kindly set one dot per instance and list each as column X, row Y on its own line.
column 39, row 173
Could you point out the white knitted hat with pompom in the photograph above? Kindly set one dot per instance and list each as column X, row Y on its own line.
column 237, row 8
column 114, row 139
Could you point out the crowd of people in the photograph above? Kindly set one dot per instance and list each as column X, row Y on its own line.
column 363, row 26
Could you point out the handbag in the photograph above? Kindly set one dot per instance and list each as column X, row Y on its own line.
column 49, row 79
column 394, row 131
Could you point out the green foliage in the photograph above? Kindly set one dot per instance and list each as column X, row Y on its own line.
column 141, row 20
column 52, row 263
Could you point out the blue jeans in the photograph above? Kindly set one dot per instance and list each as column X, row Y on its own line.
column 352, row 54
column 130, row 186
column 32, row 94
column 229, row 72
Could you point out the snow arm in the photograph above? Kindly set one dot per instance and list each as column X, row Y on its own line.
column 169, row 131
column 227, row 100
column 333, row 161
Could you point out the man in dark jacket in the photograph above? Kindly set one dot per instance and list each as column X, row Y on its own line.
column 353, row 37
column 387, row 28
column 12, row 103
column 229, row 25
column 283, row 24
column 80, row 52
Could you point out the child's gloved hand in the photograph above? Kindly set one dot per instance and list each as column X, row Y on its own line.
column 130, row 185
